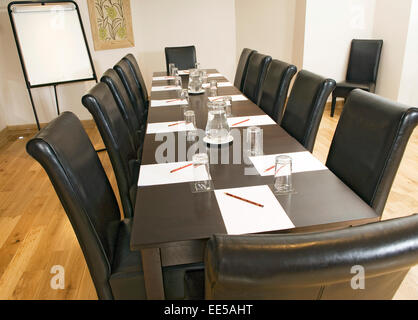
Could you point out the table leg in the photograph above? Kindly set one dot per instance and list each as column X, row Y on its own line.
column 153, row 276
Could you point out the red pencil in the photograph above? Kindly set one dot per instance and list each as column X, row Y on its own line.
column 242, row 199
column 235, row 124
column 174, row 124
column 172, row 100
column 187, row 165
column 268, row 169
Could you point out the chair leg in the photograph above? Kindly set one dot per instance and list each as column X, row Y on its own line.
column 334, row 101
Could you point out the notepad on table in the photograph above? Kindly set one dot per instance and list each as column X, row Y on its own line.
column 168, row 102
column 235, row 97
column 173, row 126
column 165, row 88
column 251, row 210
column 220, row 84
column 173, row 172
column 161, row 78
column 263, row 120
column 301, row 162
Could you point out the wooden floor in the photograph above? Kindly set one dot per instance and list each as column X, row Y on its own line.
column 35, row 233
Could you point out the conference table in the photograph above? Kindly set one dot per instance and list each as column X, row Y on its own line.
column 172, row 225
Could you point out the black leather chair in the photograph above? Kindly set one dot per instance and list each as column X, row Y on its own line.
column 275, row 88
column 305, row 107
column 183, row 57
column 362, row 69
column 313, row 266
column 114, row 132
column 256, row 72
column 68, row 157
column 242, row 68
column 369, row 143
column 127, row 77
column 139, row 79
column 136, row 129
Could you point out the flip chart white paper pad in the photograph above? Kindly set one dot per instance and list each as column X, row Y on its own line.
column 241, row 217
column 157, row 174
column 301, row 162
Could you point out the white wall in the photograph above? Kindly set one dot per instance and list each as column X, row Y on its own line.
column 329, row 28
column 394, row 37
column 266, row 26
column 408, row 92
column 209, row 25
column 299, row 34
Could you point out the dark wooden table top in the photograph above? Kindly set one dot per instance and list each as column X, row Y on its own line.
column 172, row 213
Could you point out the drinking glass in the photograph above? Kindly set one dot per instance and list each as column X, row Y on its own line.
column 184, row 94
column 283, row 175
column 170, row 68
column 174, row 71
column 204, row 76
column 178, row 83
column 254, row 141
column 190, row 120
column 213, row 88
column 201, row 173
column 228, row 105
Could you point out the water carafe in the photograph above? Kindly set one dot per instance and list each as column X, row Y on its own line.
column 195, row 81
column 217, row 128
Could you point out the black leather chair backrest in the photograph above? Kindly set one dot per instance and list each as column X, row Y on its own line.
column 242, row 68
column 183, row 57
column 305, row 107
column 313, row 266
column 65, row 152
column 123, row 156
column 127, row 77
column 139, row 79
column 256, row 72
column 275, row 88
column 364, row 60
column 112, row 80
column 369, row 143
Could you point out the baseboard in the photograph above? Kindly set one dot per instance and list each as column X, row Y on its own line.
column 11, row 133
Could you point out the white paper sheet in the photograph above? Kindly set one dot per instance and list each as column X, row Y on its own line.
column 183, row 72
column 165, row 88
column 157, row 174
column 301, row 162
column 161, row 78
column 241, row 217
column 215, row 75
column 236, row 122
column 220, row 84
column 235, row 97
column 168, row 102
column 173, row 126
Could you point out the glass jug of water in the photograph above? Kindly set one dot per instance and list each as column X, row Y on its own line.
column 217, row 128
column 195, row 81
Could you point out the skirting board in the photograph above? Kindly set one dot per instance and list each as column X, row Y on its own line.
column 11, row 133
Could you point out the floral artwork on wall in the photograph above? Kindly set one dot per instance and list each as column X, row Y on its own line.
column 111, row 24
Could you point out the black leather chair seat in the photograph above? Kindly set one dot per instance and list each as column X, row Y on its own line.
column 127, row 279
column 344, row 88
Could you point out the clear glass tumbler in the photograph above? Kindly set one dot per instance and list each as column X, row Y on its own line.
column 213, row 88
column 283, row 175
column 228, row 105
column 174, row 71
column 170, row 68
column 254, row 141
column 201, row 173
